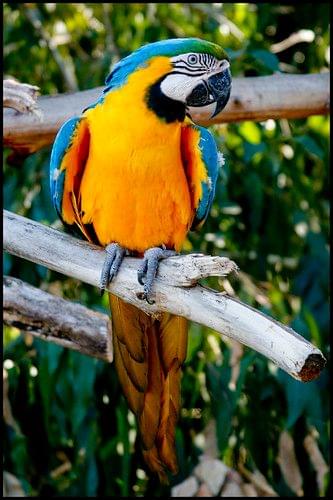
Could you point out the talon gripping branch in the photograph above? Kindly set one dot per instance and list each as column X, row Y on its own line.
column 134, row 174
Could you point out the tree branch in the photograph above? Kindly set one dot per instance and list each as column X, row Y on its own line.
column 253, row 98
column 57, row 320
column 174, row 292
column 20, row 96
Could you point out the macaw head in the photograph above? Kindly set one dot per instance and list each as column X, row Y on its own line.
column 196, row 81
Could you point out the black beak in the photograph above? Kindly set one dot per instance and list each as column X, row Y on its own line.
column 216, row 89
column 220, row 88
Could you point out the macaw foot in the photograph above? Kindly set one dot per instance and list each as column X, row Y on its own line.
column 113, row 259
column 148, row 269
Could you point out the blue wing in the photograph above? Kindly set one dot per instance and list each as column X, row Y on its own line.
column 201, row 161
column 61, row 145
column 210, row 158
column 68, row 160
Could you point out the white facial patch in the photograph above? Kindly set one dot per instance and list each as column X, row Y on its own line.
column 178, row 87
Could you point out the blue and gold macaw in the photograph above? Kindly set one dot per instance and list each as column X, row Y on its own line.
column 134, row 174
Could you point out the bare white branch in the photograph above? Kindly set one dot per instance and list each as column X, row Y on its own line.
column 178, row 295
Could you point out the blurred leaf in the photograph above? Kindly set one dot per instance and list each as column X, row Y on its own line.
column 275, row 177
column 310, row 145
column 194, row 341
column 313, row 327
column 223, row 399
column 250, row 150
column 7, row 263
column 250, row 131
column 266, row 58
column 301, row 398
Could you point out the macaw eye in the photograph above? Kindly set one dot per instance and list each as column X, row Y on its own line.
column 192, row 59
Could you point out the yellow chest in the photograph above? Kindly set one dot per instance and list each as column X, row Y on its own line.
column 134, row 189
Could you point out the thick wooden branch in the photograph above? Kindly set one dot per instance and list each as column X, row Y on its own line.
column 252, row 98
column 174, row 292
column 57, row 320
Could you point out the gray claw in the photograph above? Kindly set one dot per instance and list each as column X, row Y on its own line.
column 146, row 296
column 149, row 267
column 142, row 270
column 115, row 254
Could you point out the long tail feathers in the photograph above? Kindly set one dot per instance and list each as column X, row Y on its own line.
column 149, row 354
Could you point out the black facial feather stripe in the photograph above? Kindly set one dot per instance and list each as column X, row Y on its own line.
column 191, row 67
column 191, row 71
column 199, row 73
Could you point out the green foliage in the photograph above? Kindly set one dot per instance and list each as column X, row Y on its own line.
column 72, row 433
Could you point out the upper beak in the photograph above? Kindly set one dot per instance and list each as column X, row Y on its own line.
column 220, row 88
column 216, row 89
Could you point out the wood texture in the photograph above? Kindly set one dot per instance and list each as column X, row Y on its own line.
column 20, row 96
column 56, row 320
column 63, row 253
column 252, row 98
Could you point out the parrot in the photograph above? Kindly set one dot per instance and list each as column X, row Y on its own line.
column 134, row 173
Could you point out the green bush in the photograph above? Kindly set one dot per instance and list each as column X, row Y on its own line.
column 270, row 214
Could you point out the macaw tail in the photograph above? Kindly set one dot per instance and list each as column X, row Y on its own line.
column 149, row 353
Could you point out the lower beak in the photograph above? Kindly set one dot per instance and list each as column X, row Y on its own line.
column 220, row 88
